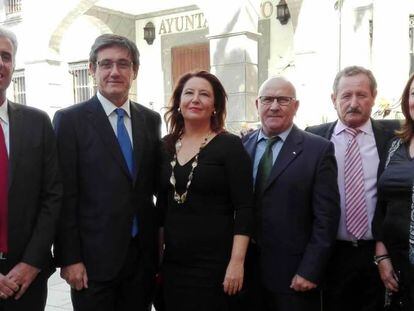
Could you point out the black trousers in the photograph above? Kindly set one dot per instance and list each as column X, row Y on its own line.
column 34, row 299
column 352, row 280
column 254, row 297
column 297, row 301
column 130, row 290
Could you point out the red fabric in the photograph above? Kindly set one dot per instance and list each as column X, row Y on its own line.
column 3, row 193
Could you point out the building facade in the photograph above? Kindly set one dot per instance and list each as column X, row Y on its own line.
column 243, row 42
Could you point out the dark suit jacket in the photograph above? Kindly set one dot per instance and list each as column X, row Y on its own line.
column 100, row 196
column 35, row 189
column 299, row 210
column 383, row 132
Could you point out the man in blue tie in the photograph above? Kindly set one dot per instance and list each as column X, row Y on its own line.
column 109, row 149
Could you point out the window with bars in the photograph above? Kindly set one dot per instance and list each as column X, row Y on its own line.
column 83, row 86
column 12, row 6
column 19, row 87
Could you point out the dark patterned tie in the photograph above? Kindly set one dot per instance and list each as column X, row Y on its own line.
column 3, row 194
column 265, row 166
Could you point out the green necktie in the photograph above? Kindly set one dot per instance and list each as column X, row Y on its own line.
column 265, row 165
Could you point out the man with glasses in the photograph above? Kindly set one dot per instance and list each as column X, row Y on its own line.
column 353, row 281
column 109, row 152
column 297, row 202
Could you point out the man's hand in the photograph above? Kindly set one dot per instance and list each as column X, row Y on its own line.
column 23, row 275
column 75, row 275
column 7, row 287
column 301, row 284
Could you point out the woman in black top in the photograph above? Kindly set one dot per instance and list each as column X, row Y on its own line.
column 394, row 217
column 206, row 199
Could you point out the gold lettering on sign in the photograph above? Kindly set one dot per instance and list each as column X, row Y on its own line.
column 178, row 25
column 182, row 23
column 189, row 22
column 169, row 23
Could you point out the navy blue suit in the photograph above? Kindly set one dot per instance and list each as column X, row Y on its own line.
column 101, row 198
column 298, row 213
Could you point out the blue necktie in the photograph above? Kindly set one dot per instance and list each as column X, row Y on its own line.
column 126, row 147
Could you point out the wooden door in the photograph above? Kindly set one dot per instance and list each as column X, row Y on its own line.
column 189, row 58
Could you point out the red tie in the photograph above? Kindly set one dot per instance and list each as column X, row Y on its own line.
column 3, row 193
column 355, row 206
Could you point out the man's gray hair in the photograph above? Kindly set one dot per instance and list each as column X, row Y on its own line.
column 5, row 33
column 353, row 71
column 110, row 40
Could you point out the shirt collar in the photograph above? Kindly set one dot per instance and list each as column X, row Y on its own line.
column 109, row 107
column 282, row 135
column 365, row 128
column 4, row 116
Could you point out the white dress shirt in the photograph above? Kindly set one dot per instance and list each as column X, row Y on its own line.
column 370, row 162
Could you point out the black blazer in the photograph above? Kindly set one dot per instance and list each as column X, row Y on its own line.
column 384, row 131
column 35, row 189
column 100, row 196
column 299, row 211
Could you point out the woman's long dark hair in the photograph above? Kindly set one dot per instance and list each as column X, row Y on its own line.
column 407, row 128
column 173, row 117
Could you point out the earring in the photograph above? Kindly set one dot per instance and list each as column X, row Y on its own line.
column 179, row 110
column 214, row 113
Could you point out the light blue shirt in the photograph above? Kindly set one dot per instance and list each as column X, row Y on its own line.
column 261, row 146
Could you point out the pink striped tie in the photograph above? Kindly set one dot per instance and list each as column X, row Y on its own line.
column 355, row 206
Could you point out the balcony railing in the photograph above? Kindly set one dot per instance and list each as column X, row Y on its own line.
column 13, row 6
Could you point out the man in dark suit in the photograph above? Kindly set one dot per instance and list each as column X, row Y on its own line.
column 30, row 195
column 109, row 152
column 297, row 201
column 353, row 281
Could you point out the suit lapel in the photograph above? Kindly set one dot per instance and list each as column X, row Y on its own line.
column 251, row 143
column 292, row 147
column 97, row 116
column 138, row 136
column 15, row 137
column 329, row 130
column 380, row 138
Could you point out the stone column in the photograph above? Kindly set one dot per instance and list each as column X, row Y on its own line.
column 233, row 59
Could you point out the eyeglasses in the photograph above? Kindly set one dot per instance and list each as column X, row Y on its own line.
column 121, row 64
column 281, row 100
column 6, row 58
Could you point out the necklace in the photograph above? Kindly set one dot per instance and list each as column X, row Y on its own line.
column 180, row 199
